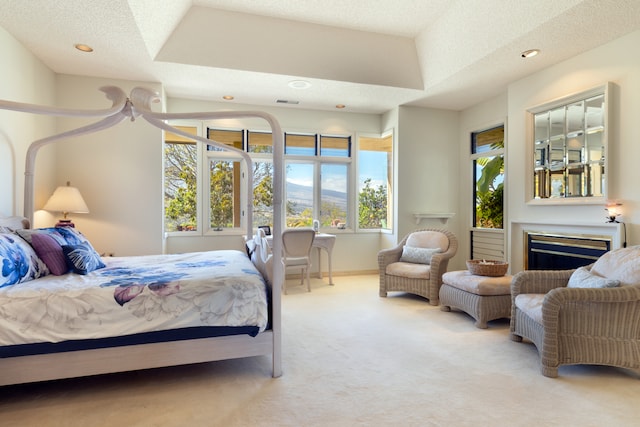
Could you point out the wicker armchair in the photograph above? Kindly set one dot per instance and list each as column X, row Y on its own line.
column 597, row 326
column 419, row 279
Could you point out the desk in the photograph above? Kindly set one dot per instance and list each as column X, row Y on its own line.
column 320, row 241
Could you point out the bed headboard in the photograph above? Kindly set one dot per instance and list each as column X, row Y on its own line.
column 14, row 222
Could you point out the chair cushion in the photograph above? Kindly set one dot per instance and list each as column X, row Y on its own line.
column 531, row 305
column 620, row 264
column 409, row 270
column 583, row 278
column 418, row 255
column 428, row 239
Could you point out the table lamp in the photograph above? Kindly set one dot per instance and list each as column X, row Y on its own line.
column 66, row 199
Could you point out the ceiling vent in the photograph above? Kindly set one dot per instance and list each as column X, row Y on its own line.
column 286, row 101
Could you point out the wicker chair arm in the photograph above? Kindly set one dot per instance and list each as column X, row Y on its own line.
column 388, row 256
column 539, row 281
column 563, row 296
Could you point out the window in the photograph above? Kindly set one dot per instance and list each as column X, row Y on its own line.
column 224, row 194
column 317, row 179
column 333, row 195
column 180, row 181
column 487, row 148
column 224, row 180
column 300, row 189
column 375, row 165
column 263, row 193
column 261, row 145
column 204, row 188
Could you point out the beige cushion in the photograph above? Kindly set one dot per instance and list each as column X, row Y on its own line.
column 479, row 285
column 531, row 305
column 621, row 264
column 409, row 270
column 428, row 239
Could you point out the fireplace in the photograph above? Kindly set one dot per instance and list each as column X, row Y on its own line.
column 562, row 251
column 560, row 245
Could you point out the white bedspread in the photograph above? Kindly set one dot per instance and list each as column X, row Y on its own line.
column 136, row 294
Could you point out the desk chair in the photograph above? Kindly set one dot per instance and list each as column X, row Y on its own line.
column 296, row 252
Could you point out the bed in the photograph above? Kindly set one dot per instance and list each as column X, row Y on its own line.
column 115, row 314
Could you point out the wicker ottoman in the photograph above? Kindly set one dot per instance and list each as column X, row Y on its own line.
column 483, row 298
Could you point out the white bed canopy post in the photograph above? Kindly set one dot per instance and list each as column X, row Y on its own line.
column 142, row 100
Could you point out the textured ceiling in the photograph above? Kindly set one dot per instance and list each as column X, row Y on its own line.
column 370, row 55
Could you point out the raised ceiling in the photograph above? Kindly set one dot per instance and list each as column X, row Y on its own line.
column 371, row 55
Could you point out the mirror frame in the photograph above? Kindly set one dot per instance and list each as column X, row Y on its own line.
column 565, row 101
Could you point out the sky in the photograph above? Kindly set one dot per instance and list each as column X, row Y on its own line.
column 371, row 165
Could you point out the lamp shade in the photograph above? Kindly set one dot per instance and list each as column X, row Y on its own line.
column 66, row 199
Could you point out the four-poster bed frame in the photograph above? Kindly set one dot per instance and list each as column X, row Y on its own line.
column 49, row 366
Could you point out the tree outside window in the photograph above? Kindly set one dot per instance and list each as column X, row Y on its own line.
column 489, row 177
column 180, row 176
column 375, row 165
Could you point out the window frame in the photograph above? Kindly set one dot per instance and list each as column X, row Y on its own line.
column 317, row 160
column 391, row 187
column 350, row 160
column 199, row 178
column 474, row 157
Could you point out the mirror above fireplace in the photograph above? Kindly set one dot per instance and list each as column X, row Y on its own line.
column 568, row 139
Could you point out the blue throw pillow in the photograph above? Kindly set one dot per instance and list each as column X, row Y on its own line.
column 18, row 261
column 82, row 258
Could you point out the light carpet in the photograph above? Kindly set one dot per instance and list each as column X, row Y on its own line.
column 350, row 358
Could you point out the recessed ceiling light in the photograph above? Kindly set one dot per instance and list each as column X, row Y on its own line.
column 83, row 47
column 530, row 53
column 228, row 98
column 340, row 106
column 299, row 84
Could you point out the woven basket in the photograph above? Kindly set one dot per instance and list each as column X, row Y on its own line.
column 486, row 267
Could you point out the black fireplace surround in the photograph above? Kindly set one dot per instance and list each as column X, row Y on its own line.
column 554, row 251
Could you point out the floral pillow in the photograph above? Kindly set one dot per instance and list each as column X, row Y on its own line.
column 18, row 261
column 418, row 255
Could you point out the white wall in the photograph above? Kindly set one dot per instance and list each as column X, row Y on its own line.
column 428, row 170
column 118, row 171
column 615, row 62
column 23, row 78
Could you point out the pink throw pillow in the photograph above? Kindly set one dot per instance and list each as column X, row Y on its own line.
column 50, row 252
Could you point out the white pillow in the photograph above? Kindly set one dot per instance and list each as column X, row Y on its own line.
column 583, row 278
column 418, row 255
